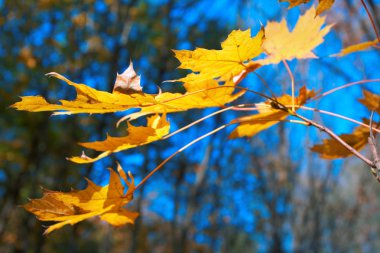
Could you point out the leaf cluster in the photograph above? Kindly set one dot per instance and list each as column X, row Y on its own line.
column 213, row 82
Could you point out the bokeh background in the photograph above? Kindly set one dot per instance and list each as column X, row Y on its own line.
column 264, row 194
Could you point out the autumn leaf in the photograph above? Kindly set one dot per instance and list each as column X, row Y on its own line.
column 72, row 207
column 332, row 149
column 268, row 115
column 199, row 95
column 323, row 5
column 252, row 125
column 356, row 48
column 156, row 128
column 27, row 57
column 203, row 94
column 281, row 44
column 88, row 100
column 294, row 3
column 128, row 82
column 235, row 56
column 371, row 101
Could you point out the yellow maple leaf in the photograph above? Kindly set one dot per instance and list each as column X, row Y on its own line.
column 156, row 128
column 88, row 100
column 371, row 101
column 281, row 44
column 332, row 149
column 72, row 207
column 268, row 115
column 203, row 94
column 356, row 48
column 323, row 5
column 235, row 56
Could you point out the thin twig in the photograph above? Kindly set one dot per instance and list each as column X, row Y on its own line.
column 197, row 121
column 179, row 151
column 249, row 109
column 301, row 122
column 338, row 116
column 242, row 108
column 371, row 19
column 266, row 85
column 337, row 138
column 345, row 86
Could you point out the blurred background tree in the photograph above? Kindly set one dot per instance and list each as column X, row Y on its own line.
column 265, row 194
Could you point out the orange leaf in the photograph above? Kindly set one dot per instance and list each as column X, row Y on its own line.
column 332, row 149
column 72, row 207
column 371, row 101
column 356, row 48
column 267, row 116
column 235, row 56
column 281, row 44
column 294, row 3
column 322, row 6
column 156, row 128
column 252, row 125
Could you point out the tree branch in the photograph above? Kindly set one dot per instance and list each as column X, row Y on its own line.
column 375, row 169
column 337, row 138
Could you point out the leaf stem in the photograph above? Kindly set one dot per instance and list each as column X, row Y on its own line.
column 292, row 80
